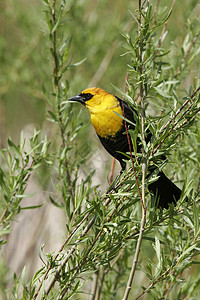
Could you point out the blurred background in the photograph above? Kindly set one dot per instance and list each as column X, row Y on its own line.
column 96, row 29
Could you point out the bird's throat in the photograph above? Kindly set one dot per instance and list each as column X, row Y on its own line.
column 107, row 123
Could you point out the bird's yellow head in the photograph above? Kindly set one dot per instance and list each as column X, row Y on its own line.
column 96, row 99
column 103, row 108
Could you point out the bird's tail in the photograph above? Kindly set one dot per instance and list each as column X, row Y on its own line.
column 165, row 191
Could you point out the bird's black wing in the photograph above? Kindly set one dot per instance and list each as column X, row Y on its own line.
column 130, row 113
column 118, row 144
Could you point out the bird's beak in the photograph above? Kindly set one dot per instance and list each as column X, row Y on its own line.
column 78, row 98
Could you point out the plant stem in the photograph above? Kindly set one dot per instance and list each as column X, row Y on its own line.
column 91, row 222
column 129, row 144
column 142, row 105
column 143, row 220
column 57, row 91
column 136, row 256
column 155, row 12
column 52, row 282
column 187, row 53
column 174, row 117
column 95, row 284
column 84, row 259
column 165, row 25
column 59, row 251
column 180, row 109
column 101, row 283
column 112, row 171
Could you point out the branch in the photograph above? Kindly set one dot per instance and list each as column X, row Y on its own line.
column 136, row 256
column 181, row 108
column 112, row 171
column 144, row 208
column 95, row 284
column 155, row 12
column 165, row 25
column 59, row 251
column 52, row 282
column 129, row 144
column 101, row 283
column 156, row 223
column 57, row 84
column 167, row 272
column 187, row 53
column 176, row 114
column 59, row 269
column 84, row 259
column 130, row 150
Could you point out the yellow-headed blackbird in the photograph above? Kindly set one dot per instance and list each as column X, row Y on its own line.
column 104, row 109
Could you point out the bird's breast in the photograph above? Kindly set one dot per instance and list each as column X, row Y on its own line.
column 107, row 123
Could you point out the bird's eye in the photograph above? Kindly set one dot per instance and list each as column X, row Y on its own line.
column 87, row 96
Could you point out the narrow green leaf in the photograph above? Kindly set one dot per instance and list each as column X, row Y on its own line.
column 79, row 62
column 161, row 92
column 196, row 219
column 23, row 276
column 25, row 196
column 55, row 203
column 33, row 206
column 14, row 148
column 53, row 116
column 157, row 247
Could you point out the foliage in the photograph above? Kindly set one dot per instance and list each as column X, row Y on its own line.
column 110, row 237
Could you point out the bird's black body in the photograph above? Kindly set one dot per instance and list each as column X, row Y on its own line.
column 164, row 189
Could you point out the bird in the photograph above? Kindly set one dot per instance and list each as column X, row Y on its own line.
column 107, row 117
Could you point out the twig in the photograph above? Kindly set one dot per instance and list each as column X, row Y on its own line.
column 163, row 275
column 57, row 80
column 130, row 150
column 155, row 12
column 5, row 211
column 65, row 243
column 73, row 248
column 181, row 108
column 191, row 45
column 112, row 171
column 99, row 234
column 84, row 259
column 191, row 119
column 53, row 280
column 101, row 283
column 59, row 251
column 95, row 284
column 136, row 256
column 56, row 77
column 24, row 179
column 179, row 211
column 144, row 208
column 165, row 25
column 176, row 114
column 172, row 267
column 142, row 107
column 187, row 53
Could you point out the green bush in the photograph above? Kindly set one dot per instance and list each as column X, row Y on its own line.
column 114, row 245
